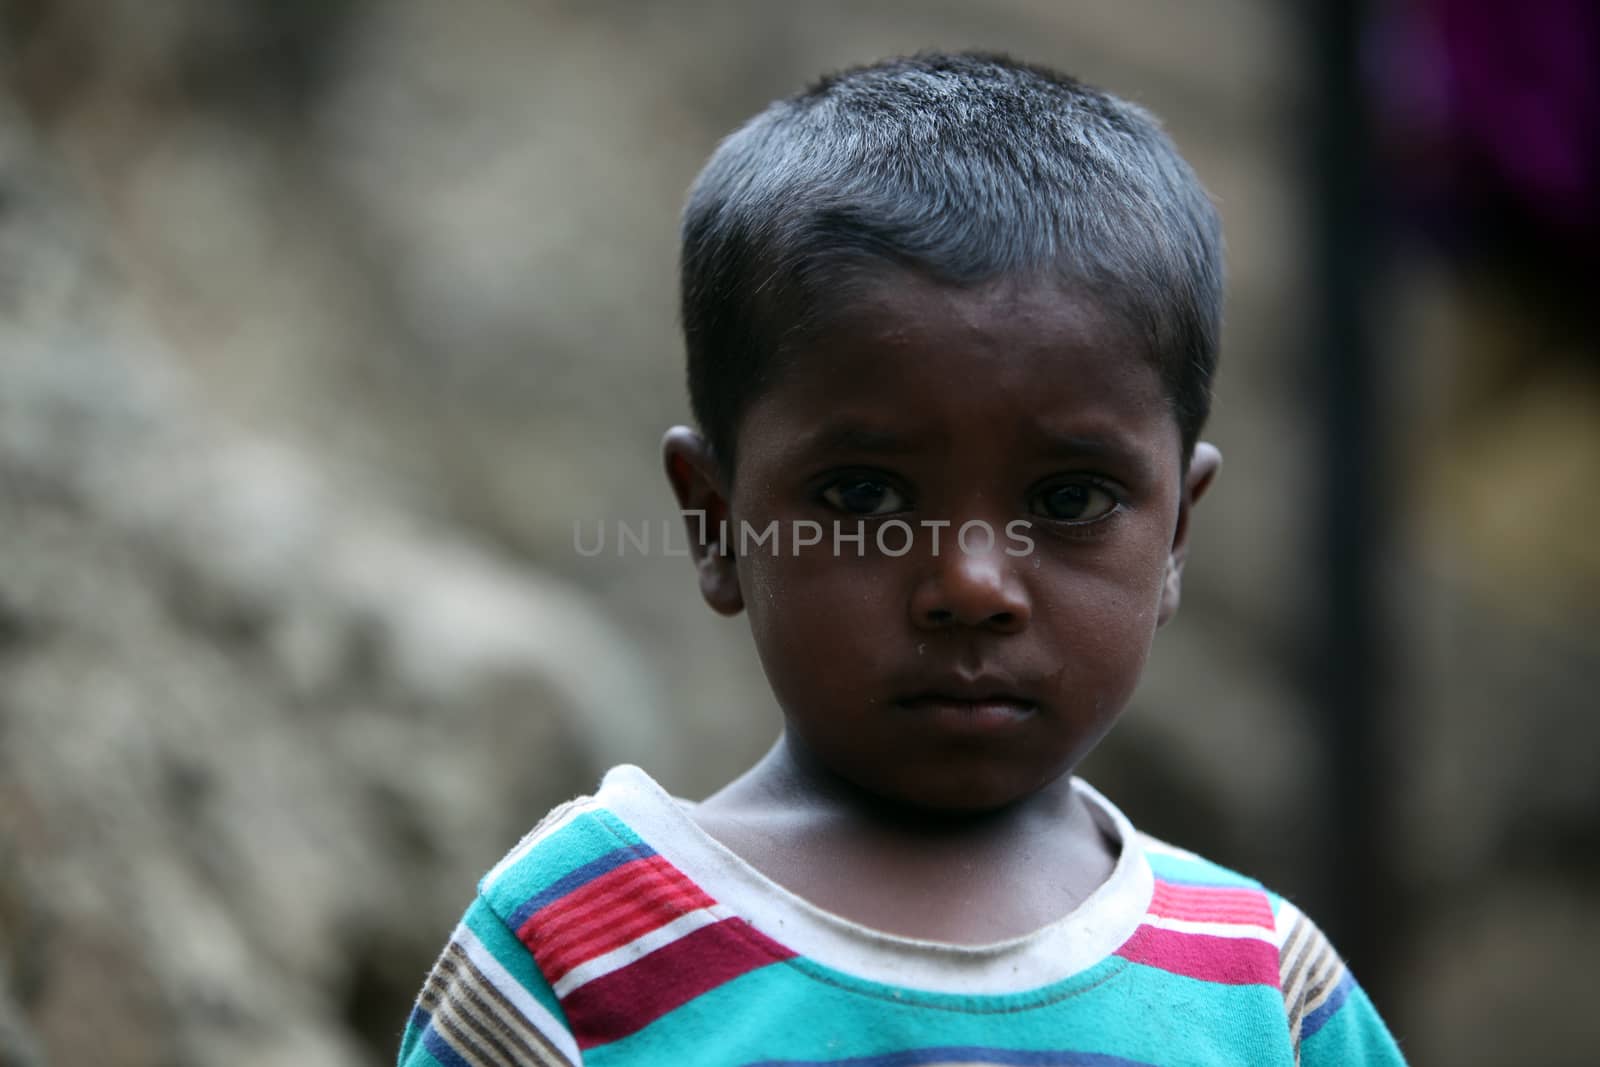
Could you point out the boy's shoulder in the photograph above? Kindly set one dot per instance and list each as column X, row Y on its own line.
column 620, row 824
column 576, row 842
column 618, row 834
column 1201, row 897
column 592, row 895
column 1174, row 865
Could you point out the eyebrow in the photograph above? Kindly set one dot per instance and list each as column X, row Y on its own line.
column 1078, row 443
column 851, row 436
column 1108, row 447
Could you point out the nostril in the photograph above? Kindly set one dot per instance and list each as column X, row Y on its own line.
column 940, row 615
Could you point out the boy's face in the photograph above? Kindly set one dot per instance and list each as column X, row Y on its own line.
column 956, row 678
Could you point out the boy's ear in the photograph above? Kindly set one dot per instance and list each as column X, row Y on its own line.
column 697, row 482
column 1203, row 467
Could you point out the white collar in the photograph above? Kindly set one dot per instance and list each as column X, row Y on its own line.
column 1073, row 943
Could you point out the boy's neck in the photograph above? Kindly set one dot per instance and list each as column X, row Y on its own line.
column 959, row 878
column 789, row 779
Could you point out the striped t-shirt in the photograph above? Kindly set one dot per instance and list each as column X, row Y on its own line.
column 620, row 933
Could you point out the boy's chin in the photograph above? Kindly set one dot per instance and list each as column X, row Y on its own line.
column 937, row 786
column 950, row 798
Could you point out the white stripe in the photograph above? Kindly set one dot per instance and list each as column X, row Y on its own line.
column 538, row 1016
column 1212, row 929
column 1285, row 918
column 643, row 945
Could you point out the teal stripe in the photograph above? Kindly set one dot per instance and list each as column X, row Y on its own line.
column 788, row 1011
column 1197, row 872
column 585, row 839
column 511, row 954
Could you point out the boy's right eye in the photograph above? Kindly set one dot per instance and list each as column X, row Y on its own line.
column 863, row 496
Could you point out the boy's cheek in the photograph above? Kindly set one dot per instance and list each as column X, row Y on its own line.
column 796, row 596
column 818, row 616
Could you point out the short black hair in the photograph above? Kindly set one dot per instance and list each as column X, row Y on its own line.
column 964, row 168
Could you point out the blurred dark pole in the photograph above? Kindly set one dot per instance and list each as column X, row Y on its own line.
column 1348, row 668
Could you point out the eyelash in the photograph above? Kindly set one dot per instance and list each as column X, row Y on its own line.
column 1079, row 527
column 1073, row 527
column 852, row 479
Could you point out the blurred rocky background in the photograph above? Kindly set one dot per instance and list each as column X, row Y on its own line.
column 323, row 325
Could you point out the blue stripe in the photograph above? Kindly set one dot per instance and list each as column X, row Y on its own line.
column 976, row 1054
column 587, row 873
column 1341, row 992
column 440, row 1049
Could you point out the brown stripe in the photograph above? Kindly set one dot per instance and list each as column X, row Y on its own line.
column 473, row 984
column 460, row 997
column 1318, row 993
column 1309, row 951
column 1292, row 945
column 489, row 1036
column 1316, row 981
column 468, row 1004
column 1303, row 940
column 1326, row 962
column 436, row 984
column 509, row 1016
column 1315, row 955
column 449, row 1027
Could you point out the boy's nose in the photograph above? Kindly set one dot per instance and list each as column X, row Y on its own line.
column 977, row 589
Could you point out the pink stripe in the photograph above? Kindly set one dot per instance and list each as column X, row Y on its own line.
column 652, row 894
column 1211, row 904
column 630, row 998
column 1225, row 960
column 602, row 891
column 655, row 905
column 603, row 933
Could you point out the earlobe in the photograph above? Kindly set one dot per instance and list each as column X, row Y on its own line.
column 1203, row 468
column 696, row 480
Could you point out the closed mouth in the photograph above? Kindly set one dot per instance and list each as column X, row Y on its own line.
column 981, row 714
column 958, row 700
column 969, row 715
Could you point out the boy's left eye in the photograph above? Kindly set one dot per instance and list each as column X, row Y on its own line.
column 863, row 496
column 1079, row 502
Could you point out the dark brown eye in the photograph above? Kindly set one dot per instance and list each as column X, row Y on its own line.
column 863, row 496
column 1075, row 502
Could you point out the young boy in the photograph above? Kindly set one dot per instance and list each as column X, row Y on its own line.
column 951, row 325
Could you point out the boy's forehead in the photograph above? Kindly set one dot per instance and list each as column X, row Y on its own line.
column 894, row 307
column 901, row 323
column 906, row 362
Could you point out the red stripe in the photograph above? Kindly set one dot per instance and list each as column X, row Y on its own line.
column 1211, row 904
column 653, row 906
column 604, row 890
column 603, row 933
column 596, row 898
column 631, row 997
column 1225, row 960
column 542, row 926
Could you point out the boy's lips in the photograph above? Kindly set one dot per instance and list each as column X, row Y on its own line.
column 984, row 716
column 989, row 686
column 975, row 702
column 927, row 699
